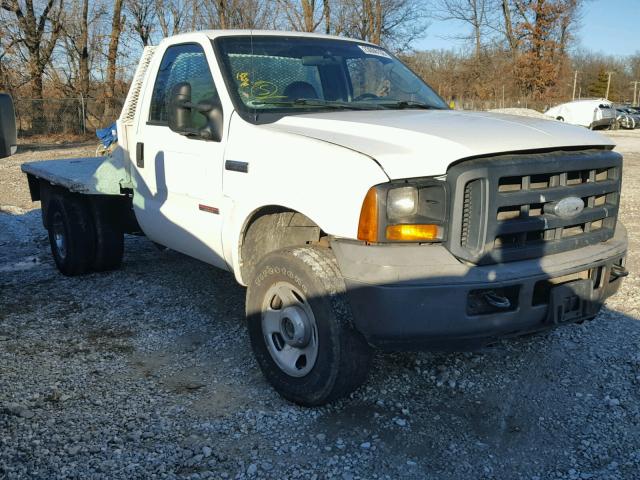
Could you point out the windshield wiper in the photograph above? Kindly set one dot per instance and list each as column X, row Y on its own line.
column 402, row 104
column 314, row 102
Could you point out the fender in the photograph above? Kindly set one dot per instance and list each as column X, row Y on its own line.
column 324, row 181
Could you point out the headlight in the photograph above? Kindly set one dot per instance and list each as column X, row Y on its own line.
column 411, row 211
column 402, row 202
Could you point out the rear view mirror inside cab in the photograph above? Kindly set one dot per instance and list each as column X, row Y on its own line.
column 319, row 60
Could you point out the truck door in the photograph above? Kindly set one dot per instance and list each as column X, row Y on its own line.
column 179, row 176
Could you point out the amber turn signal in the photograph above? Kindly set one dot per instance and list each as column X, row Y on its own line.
column 413, row 233
column 368, row 224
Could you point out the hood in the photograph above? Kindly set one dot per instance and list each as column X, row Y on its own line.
column 416, row 143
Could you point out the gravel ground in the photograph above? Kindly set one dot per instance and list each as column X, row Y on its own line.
column 146, row 372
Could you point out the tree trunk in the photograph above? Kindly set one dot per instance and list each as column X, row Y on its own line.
column 308, row 9
column 222, row 13
column 161, row 13
column 112, row 57
column 326, row 13
column 83, row 49
column 508, row 25
column 38, row 121
column 377, row 37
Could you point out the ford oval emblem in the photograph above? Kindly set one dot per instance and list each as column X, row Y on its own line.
column 568, row 207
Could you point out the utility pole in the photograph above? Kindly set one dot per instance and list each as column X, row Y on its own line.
column 636, row 101
column 575, row 81
column 608, row 84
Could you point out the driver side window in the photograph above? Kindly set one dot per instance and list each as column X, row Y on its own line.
column 182, row 63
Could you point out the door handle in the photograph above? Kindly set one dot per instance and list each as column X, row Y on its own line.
column 140, row 154
column 236, row 166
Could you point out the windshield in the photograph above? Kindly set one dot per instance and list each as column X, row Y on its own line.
column 289, row 74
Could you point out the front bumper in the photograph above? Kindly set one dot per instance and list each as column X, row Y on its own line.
column 420, row 297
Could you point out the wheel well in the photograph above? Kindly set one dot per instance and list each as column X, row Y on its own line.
column 273, row 228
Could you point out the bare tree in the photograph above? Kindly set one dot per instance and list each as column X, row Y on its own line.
column 36, row 36
column 81, row 17
column 394, row 23
column 171, row 15
column 303, row 15
column 471, row 12
column 237, row 13
column 143, row 15
column 112, row 57
column 326, row 14
column 510, row 35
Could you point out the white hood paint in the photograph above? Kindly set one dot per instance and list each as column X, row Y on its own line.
column 416, row 143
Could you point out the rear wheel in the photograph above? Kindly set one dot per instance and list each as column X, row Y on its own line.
column 301, row 328
column 71, row 234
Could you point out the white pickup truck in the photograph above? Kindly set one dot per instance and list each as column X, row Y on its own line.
column 357, row 208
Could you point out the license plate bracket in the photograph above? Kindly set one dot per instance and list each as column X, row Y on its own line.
column 570, row 301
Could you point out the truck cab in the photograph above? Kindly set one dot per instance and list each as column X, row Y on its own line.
column 360, row 212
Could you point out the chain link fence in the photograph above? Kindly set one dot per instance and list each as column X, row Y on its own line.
column 82, row 116
column 57, row 116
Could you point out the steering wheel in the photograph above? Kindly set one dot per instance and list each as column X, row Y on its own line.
column 365, row 96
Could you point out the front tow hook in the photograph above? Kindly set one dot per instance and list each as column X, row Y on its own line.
column 496, row 300
column 618, row 271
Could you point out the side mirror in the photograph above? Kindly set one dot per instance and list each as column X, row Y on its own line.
column 179, row 112
column 180, row 119
column 8, row 133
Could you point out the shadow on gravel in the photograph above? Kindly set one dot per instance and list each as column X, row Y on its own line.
column 520, row 405
column 171, row 330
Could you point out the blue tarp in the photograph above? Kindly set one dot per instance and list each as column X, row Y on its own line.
column 107, row 135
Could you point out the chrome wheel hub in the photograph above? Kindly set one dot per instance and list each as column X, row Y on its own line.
column 59, row 237
column 289, row 329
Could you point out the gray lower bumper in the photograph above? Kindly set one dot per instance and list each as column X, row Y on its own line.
column 421, row 297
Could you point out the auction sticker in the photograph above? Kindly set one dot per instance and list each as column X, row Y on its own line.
column 374, row 51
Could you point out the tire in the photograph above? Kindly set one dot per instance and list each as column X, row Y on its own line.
column 71, row 234
column 305, row 281
column 560, row 119
column 109, row 240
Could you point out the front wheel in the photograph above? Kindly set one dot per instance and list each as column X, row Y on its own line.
column 301, row 328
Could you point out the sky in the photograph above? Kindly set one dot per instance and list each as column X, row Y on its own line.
column 608, row 26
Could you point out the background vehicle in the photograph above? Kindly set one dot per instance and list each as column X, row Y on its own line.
column 632, row 119
column 8, row 138
column 359, row 211
column 593, row 114
column 624, row 120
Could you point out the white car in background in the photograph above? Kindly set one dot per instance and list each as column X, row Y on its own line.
column 593, row 114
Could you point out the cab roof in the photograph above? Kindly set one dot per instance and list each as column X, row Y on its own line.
column 213, row 34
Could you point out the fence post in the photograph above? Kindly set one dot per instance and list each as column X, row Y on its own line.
column 84, row 126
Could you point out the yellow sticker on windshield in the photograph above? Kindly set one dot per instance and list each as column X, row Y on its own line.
column 243, row 78
column 263, row 89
